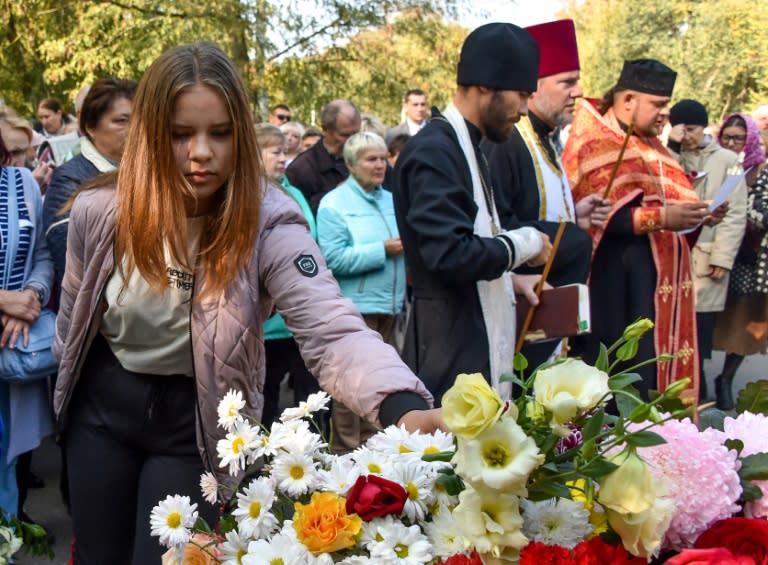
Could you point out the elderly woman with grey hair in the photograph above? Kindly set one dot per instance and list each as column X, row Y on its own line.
column 358, row 235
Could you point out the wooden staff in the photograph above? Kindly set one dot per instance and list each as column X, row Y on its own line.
column 616, row 165
column 540, row 286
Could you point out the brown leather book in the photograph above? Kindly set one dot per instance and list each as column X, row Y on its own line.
column 562, row 312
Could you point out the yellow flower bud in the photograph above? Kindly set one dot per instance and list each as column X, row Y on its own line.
column 637, row 329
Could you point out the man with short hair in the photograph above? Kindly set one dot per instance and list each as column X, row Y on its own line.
column 460, row 259
column 415, row 110
column 279, row 115
column 641, row 265
column 321, row 168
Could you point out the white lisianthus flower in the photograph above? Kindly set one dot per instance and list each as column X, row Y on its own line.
column 210, row 487
column 229, row 409
column 295, row 473
column 569, row 388
column 9, row 543
column 444, row 534
column 235, row 449
column 501, row 457
column 233, row 549
column 172, row 519
column 417, row 478
column 401, row 544
column 558, row 521
column 490, row 521
column 642, row 534
column 254, row 519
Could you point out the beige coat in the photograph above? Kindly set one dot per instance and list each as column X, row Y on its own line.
column 718, row 245
column 350, row 361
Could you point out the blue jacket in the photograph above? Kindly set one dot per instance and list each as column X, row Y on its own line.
column 352, row 226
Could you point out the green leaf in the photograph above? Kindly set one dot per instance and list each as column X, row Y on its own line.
column 594, row 425
column 735, row 444
column 445, row 456
column 512, row 378
column 645, row 439
column 671, row 405
column 622, row 380
column 599, row 468
column 626, row 404
column 750, row 491
column 754, row 398
column 754, row 467
column 452, row 483
column 628, row 350
column 640, row 413
column 544, row 490
column 711, row 418
column 602, row 362
column 519, row 363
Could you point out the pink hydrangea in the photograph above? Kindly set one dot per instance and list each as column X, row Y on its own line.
column 752, row 430
column 701, row 477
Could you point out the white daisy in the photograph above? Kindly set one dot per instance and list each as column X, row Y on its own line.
column 373, row 532
column 315, row 402
column 444, row 534
column 294, row 473
column 233, row 549
column 172, row 519
column 235, row 448
column 558, row 521
column 210, row 487
column 417, row 478
column 405, row 545
column 295, row 436
column 262, row 447
column 372, row 462
column 254, row 519
column 340, row 477
column 229, row 409
column 280, row 549
column 429, row 444
column 393, row 440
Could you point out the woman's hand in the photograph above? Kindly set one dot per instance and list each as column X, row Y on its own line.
column 393, row 247
column 23, row 305
column 425, row 421
column 716, row 273
column 13, row 328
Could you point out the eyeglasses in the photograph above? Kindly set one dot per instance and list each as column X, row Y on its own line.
column 735, row 138
column 283, row 117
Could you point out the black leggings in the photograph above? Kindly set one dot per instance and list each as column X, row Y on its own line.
column 130, row 442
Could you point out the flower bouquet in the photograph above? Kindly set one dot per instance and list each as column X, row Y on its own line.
column 555, row 476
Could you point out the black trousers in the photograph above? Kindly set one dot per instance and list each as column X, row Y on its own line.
column 130, row 442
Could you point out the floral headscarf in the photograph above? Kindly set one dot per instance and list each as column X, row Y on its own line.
column 753, row 153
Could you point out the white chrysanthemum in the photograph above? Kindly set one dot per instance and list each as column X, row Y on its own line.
column 444, row 534
column 402, row 544
column 315, row 402
column 229, row 409
column 235, row 449
column 371, row 462
column 560, row 522
column 417, row 478
column 294, row 473
column 210, row 487
column 254, row 519
column 295, row 436
column 172, row 519
column 393, row 440
column 233, row 549
column 278, row 549
column 340, row 477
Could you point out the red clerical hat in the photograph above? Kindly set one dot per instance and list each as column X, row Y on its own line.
column 557, row 44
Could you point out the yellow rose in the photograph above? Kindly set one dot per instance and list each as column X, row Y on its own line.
column 630, row 488
column 642, row 533
column 569, row 388
column 490, row 521
column 323, row 525
column 471, row 406
column 501, row 457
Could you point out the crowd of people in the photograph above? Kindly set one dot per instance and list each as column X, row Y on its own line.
column 187, row 250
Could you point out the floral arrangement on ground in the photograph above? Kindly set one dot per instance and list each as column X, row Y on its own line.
column 578, row 469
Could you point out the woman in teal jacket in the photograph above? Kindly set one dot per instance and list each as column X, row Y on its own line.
column 358, row 235
column 281, row 351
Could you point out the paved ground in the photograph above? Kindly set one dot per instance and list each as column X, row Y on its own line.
column 45, row 504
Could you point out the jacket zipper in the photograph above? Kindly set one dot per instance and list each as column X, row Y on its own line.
column 394, row 271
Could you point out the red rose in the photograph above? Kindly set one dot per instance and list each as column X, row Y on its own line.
column 743, row 537
column 373, row 497
column 712, row 556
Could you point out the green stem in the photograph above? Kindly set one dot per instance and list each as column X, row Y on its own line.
column 630, row 369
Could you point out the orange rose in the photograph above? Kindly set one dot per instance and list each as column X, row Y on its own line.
column 323, row 525
column 199, row 551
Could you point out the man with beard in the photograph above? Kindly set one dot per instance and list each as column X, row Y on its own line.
column 463, row 316
column 641, row 265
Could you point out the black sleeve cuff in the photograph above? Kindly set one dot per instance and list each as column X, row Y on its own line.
column 396, row 405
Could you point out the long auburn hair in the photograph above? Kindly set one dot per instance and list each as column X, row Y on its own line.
column 151, row 190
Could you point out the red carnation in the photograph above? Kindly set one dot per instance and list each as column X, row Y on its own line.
column 743, row 537
column 597, row 552
column 713, row 556
column 461, row 559
column 373, row 497
column 537, row 553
